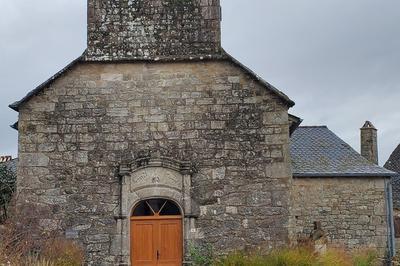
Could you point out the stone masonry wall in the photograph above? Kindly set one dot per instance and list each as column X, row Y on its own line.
column 352, row 211
column 75, row 134
column 127, row 29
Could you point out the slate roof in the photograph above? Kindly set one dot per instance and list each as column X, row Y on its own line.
column 318, row 152
column 224, row 56
column 393, row 164
column 12, row 165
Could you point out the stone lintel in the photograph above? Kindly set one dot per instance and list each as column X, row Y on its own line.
column 183, row 167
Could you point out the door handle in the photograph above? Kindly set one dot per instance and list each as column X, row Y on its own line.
column 158, row 255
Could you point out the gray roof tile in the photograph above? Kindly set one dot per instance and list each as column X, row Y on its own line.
column 318, row 152
column 396, row 192
column 393, row 162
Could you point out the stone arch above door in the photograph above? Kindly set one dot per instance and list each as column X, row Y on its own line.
column 150, row 177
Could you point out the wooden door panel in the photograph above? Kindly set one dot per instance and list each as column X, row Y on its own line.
column 144, row 239
column 170, row 243
column 156, row 242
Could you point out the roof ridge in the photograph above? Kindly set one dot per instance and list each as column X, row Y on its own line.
column 313, row 126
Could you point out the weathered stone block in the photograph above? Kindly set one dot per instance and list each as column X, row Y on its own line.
column 34, row 159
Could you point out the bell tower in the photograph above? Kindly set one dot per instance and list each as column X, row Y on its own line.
column 153, row 29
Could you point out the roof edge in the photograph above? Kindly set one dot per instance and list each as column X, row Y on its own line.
column 295, row 122
column 14, row 126
column 323, row 126
column 250, row 72
column 16, row 105
column 200, row 57
column 223, row 56
column 333, row 175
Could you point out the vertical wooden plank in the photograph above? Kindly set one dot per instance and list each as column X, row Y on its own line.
column 170, row 242
column 143, row 245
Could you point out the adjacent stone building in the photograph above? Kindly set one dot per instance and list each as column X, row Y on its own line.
column 338, row 188
column 156, row 139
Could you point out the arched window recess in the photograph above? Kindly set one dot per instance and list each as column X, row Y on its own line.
column 156, row 207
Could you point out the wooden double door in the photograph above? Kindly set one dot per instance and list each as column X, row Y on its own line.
column 156, row 241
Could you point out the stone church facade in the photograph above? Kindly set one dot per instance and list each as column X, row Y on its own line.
column 155, row 109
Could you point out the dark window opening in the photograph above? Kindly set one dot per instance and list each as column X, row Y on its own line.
column 170, row 209
column 156, row 207
column 156, row 204
column 143, row 210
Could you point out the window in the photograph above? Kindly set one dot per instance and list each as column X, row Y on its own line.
column 156, row 207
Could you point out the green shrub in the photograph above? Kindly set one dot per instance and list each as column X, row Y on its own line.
column 334, row 257
column 301, row 256
column 284, row 257
column 7, row 188
column 366, row 257
column 201, row 255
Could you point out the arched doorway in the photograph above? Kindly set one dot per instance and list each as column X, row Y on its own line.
column 156, row 233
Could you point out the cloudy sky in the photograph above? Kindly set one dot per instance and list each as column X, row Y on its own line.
column 339, row 60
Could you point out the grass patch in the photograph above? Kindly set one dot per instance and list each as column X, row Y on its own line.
column 299, row 256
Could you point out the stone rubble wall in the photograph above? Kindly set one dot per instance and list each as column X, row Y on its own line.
column 150, row 29
column 76, row 133
column 352, row 211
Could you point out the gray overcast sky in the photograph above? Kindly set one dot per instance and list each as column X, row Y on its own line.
column 339, row 60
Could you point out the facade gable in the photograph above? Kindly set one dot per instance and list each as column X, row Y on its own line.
column 99, row 116
column 16, row 105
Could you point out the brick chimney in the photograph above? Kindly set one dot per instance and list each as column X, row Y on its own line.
column 153, row 29
column 369, row 142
